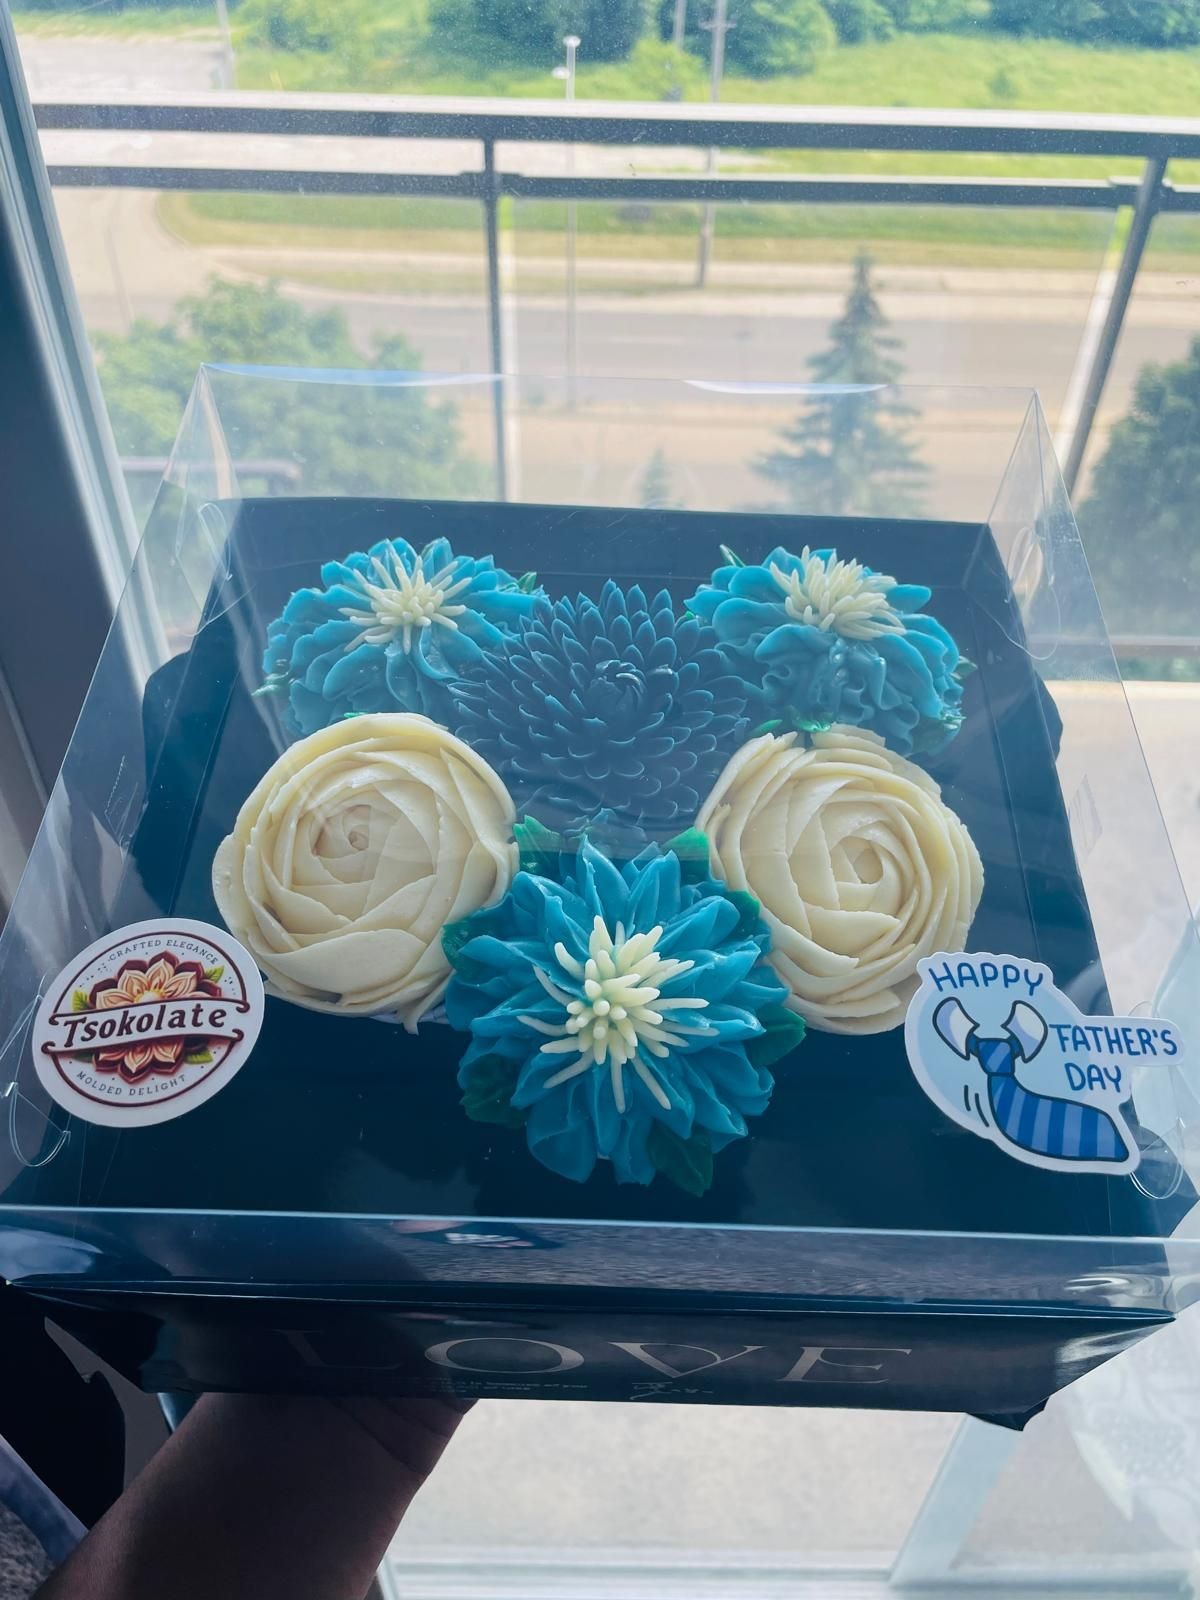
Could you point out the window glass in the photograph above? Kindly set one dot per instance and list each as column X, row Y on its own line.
column 971, row 255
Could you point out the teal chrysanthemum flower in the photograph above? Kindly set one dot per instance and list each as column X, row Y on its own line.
column 619, row 1013
column 616, row 706
column 819, row 640
column 390, row 630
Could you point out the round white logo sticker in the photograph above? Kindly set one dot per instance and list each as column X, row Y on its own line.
column 148, row 1023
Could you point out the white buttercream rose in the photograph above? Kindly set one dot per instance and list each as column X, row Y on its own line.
column 352, row 854
column 860, row 868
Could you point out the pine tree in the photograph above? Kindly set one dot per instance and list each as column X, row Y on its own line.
column 852, row 452
column 657, row 491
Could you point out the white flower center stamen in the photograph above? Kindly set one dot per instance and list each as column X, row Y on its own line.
column 622, row 1014
column 402, row 603
column 838, row 595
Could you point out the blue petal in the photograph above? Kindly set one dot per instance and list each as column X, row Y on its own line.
column 654, row 896
column 560, row 1137
column 702, row 926
column 601, row 885
column 908, row 597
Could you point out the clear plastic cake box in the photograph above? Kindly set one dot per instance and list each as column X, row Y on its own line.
column 328, row 1216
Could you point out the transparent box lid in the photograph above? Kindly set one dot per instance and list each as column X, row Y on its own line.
column 373, row 1127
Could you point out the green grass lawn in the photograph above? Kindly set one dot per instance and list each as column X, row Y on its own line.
column 102, row 19
column 980, row 70
column 641, row 235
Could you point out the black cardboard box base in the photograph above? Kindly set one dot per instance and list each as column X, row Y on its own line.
column 551, row 1348
column 385, row 1135
column 858, row 1249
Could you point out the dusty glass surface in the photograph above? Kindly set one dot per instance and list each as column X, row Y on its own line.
column 965, row 299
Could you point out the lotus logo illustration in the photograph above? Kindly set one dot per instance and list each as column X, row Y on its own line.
column 147, row 1023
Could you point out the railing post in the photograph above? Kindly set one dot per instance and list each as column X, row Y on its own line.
column 491, row 225
column 973, row 1461
column 1148, row 197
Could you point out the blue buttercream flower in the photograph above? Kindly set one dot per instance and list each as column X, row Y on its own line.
column 389, row 630
column 615, row 706
column 819, row 640
column 620, row 1013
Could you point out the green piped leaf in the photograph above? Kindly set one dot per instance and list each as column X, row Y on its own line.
column 539, row 847
column 964, row 669
column 794, row 720
column 688, row 1163
column 767, row 727
column 488, row 1096
column 750, row 918
column 527, row 583
column 79, row 1000
column 731, row 557
column 931, row 733
column 691, row 846
column 455, row 935
column 783, row 1031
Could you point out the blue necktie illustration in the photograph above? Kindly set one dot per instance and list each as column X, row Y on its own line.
column 1068, row 1130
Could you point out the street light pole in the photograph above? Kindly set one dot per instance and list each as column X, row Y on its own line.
column 718, row 27
column 571, row 43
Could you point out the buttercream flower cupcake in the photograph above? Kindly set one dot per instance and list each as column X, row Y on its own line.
column 859, row 866
column 351, row 855
column 821, row 640
column 614, row 706
column 389, row 629
column 620, row 1013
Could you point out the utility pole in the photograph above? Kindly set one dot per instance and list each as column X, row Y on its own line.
column 718, row 27
column 571, row 43
column 227, row 67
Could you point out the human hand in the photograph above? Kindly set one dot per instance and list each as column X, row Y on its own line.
column 264, row 1497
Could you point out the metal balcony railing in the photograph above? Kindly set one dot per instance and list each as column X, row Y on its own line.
column 245, row 117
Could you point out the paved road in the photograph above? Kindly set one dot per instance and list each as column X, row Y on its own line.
column 954, row 328
column 634, row 339
column 755, row 323
column 90, row 65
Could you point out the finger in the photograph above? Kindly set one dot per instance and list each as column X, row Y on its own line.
column 414, row 1432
